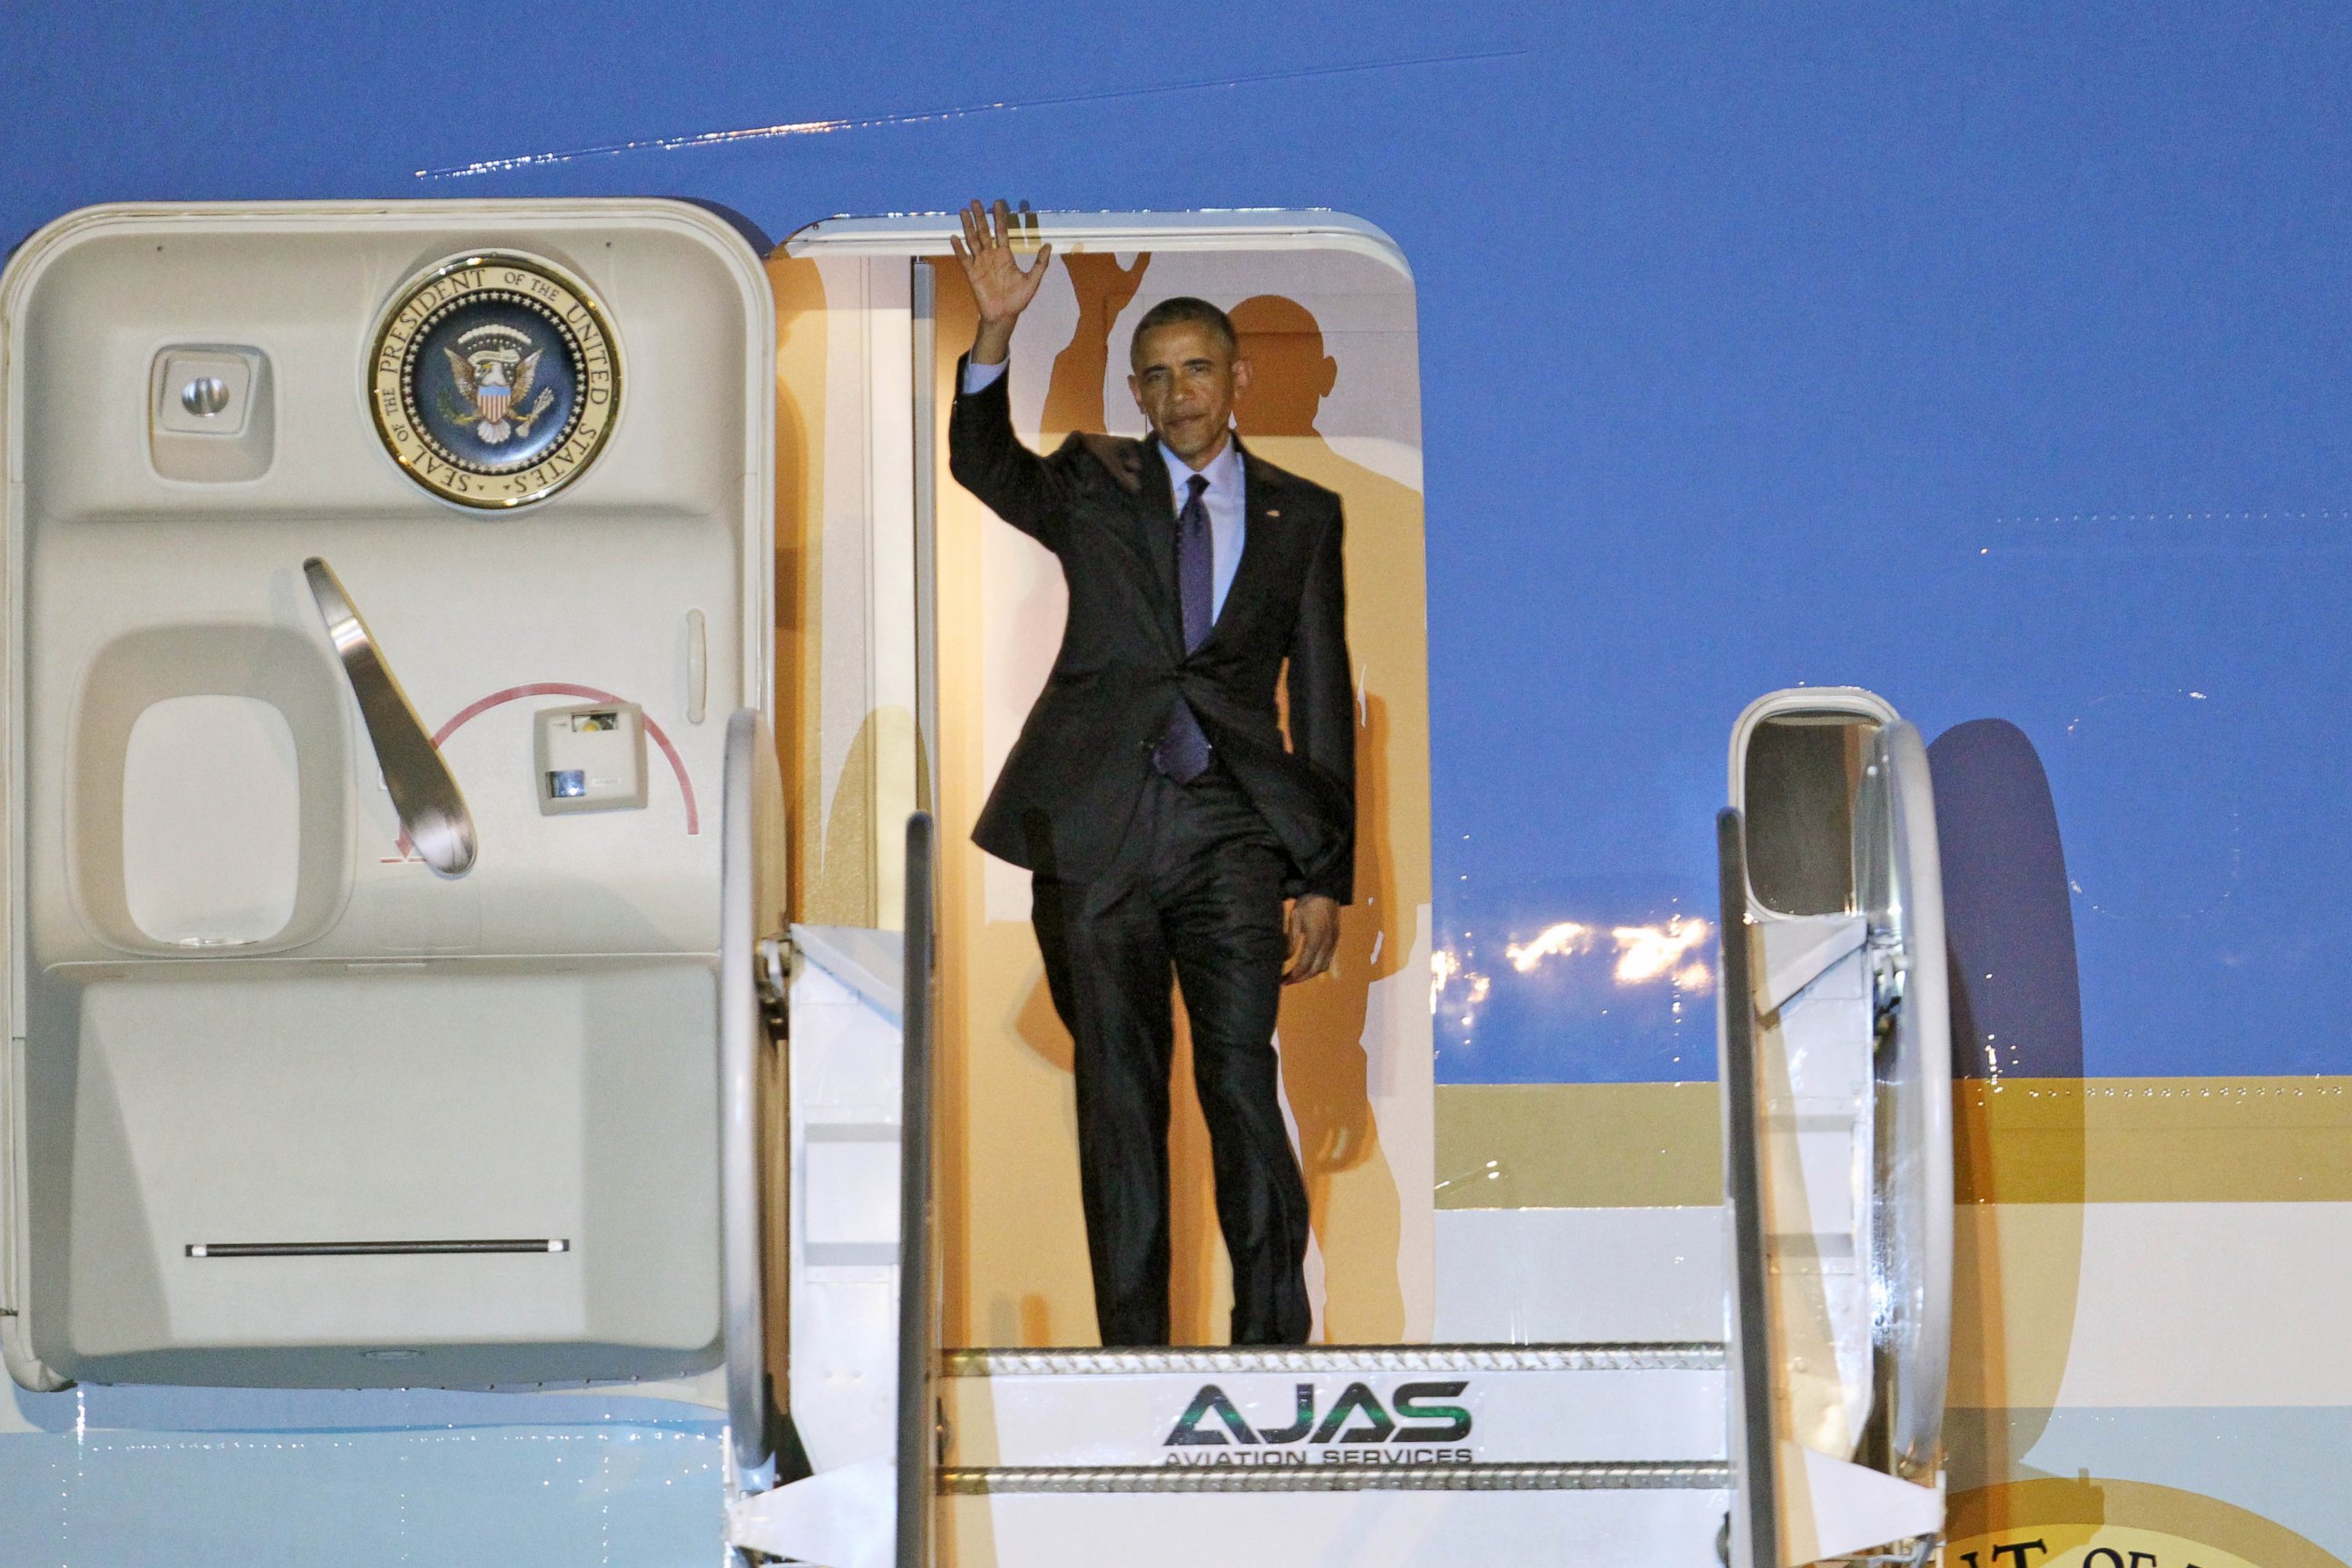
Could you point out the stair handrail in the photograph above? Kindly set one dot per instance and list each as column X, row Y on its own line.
column 1754, row 1539
column 918, row 1289
column 741, row 1274
column 434, row 819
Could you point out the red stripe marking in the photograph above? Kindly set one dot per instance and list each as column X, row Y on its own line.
column 587, row 693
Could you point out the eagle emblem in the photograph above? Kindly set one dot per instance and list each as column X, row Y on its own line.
column 494, row 378
column 494, row 368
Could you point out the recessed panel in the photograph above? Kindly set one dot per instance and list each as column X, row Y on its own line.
column 211, row 821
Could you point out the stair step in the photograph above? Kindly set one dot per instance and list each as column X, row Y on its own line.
column 1641, row 1357
column 1468, row 1416
column 1354, row 1529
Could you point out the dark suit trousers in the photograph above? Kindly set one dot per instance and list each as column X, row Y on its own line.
column 1195, row 887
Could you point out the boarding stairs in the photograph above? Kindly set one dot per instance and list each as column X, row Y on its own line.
column 1809, row 1434
column 1517, row 1453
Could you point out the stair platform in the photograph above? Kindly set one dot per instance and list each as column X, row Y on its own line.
column 1562, row 1456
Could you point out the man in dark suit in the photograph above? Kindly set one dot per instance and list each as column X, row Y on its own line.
column 1150, row 793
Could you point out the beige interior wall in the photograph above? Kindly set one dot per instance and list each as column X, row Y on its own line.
column 845, row 590
column 800, row 493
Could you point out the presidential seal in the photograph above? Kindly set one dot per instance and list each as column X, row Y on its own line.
column 494, row 381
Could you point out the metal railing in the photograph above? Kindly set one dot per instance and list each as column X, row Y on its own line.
column 741, row 1273
column 1756, row 1542
column 918, row 1455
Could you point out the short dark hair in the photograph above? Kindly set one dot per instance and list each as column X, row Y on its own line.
column 1181, row 308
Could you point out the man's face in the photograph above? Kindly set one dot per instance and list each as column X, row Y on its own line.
column 1185, row 381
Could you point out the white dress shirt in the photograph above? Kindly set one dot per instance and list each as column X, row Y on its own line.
column 1228, row 524
column 1224, row 498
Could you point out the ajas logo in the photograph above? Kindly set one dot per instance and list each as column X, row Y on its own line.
column 1356, row 1428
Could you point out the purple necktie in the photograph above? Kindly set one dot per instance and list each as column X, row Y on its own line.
column 1183, row 751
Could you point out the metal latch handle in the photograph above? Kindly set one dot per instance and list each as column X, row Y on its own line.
column 432, row 815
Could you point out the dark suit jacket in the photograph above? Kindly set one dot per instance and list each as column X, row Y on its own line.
column 1070, row 786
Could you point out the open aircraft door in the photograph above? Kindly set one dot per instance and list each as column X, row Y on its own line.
column 1836, row 1062
column 389, row 652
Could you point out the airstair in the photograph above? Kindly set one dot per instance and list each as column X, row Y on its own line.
column 1583, row 1453
column 1811, row 1434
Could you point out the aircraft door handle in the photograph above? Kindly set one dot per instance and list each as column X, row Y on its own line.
column 432, row 811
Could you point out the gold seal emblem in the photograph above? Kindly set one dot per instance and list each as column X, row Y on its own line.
column 494, row 381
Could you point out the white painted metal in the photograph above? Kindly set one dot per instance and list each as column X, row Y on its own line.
column 1818, row 1097
column 1668, row 1529
column 1798, row 700
column 1345, row 1409
column 841, row 1519
column 927, row 233
column 1820, row 1109
column 1853, row 1048
column 1903, row 891
column 1531, row 1275
column 843, row 1264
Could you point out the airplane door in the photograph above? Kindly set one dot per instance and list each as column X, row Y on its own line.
column 1837, row 1081
column 383, row 577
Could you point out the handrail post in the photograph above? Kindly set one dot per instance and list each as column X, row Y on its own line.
column 918, row 1329
column 1755, row 1471
column 923, row 301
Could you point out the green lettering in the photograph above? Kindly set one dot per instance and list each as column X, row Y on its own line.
column 1209, row 1401
column 1356, row 1397
column 1299, row 1428
column 1455, row 1419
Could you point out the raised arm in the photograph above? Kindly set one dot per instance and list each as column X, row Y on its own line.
column 983, row 453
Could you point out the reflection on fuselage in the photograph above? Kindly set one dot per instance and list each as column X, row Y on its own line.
column 1644, row 952
column 1670, row 950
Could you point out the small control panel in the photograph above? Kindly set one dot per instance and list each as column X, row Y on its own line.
column 591, row 759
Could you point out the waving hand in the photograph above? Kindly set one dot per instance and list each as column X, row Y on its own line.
column 999, row 285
